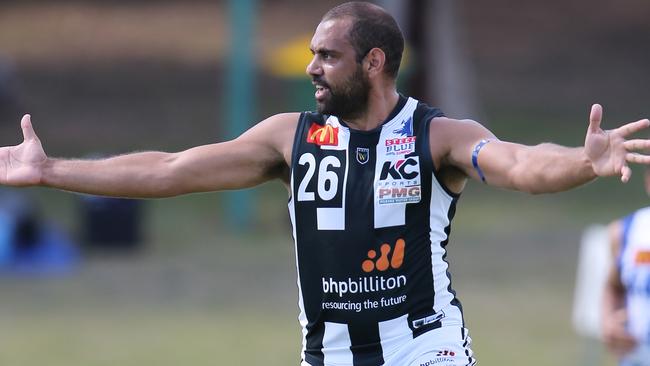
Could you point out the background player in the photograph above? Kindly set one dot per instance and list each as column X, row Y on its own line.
column 626, row 300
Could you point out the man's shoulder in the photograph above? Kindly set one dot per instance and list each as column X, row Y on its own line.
column 313, row 117
column 427, row 111
column 277, row 129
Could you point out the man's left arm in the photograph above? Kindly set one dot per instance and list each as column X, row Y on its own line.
column 546, row 167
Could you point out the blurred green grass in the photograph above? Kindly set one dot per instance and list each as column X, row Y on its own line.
column 206, row 294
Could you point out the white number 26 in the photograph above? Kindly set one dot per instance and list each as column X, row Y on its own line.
column 328, row 181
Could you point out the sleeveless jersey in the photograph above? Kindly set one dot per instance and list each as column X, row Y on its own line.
column 370, row 224
column 634, row 266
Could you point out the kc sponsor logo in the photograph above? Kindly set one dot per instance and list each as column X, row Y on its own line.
column 401, row 169
column 642, row 257
column 323, row 135
column 383, row 262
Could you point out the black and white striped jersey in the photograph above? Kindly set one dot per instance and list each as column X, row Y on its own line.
column 370, row 224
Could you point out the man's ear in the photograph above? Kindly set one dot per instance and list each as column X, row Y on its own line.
column 374, row 62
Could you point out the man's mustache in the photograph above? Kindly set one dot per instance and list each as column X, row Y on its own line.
column 319, row 81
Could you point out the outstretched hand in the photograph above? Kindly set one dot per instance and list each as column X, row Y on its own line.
column 609, row 151
column 21, row 165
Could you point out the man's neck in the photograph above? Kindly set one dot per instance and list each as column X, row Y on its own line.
column 380, row 105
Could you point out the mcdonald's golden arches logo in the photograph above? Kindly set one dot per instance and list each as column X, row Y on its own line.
column 323, row 135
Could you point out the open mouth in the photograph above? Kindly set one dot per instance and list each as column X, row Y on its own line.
column 321, row 91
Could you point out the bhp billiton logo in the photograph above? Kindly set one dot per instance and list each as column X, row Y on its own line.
column 383, row 262
column 323, row 135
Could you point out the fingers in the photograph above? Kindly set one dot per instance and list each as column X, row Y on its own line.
column 595, row 117
column 626, row 173
column 637, row 144
column 633, row 127
column 635, row 158
column 28, row 130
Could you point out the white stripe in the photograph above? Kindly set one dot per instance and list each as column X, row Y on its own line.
column 387, row 215
column 333, row 218
column 439, row 210
column 392, row 334
column 336, row 344
column 302, row 317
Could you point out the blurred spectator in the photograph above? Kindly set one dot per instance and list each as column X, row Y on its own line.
column 626, row 301
column 29, row 245
column 111, row 223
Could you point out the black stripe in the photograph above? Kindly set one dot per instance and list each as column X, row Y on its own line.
column 366, row 345
column 314, row 347
column 418, row 216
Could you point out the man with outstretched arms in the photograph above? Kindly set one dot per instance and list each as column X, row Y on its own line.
column 373, row 179
column 626, row 300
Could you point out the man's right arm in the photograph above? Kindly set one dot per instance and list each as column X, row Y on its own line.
column 260, row 154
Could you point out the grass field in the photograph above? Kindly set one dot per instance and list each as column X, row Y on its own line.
column 204, row 295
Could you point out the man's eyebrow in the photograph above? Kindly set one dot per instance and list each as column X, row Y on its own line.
column 321, row 50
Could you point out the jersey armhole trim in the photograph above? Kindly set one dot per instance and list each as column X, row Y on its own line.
column 429, row 158
column 294, row 150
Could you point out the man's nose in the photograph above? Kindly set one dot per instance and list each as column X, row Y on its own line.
column 313, row 68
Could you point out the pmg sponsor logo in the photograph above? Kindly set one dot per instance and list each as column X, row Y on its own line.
column 392, row 195
column 323, row 135
column 400, row 146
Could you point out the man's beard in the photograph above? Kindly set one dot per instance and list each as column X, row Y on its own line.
column 350, row 99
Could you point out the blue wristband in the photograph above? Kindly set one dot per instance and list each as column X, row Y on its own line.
column 475, row 152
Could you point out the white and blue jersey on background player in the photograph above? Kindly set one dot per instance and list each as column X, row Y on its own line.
column 634, row 267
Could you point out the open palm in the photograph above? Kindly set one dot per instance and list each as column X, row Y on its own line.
column 609, row 151
column 21, row 165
